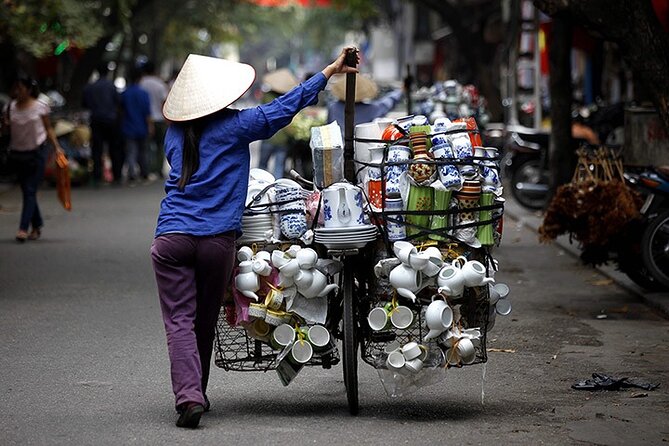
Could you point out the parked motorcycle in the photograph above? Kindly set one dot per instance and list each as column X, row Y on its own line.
column 526, row 150
column 655, row 238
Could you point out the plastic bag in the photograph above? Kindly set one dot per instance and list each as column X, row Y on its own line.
column 63, row 186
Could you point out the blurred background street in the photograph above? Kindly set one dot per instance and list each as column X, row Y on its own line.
column 566, row 106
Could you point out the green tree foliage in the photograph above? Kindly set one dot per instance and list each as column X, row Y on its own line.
column 44, row 27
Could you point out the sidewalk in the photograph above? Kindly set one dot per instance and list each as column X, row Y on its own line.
column 534, row 219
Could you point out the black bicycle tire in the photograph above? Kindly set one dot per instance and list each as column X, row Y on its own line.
column 647, row 248
column 350, row 341
column 519, row 196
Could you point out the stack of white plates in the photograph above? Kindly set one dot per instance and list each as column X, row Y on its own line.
column 255, row 227
column 348, row 237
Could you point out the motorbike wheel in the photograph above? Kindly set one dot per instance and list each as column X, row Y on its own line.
column 529, row 184
column 655, row 248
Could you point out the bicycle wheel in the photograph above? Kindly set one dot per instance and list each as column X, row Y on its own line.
column 350, row 341
column 655, row 248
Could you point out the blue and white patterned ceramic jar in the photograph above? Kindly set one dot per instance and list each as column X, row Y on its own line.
column 396, row 154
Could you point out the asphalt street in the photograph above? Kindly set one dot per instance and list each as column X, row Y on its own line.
column 83, row 358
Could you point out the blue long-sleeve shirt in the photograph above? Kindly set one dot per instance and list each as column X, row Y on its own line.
column 213, row 201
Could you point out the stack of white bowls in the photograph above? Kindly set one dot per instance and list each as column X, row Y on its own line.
column 256, row 228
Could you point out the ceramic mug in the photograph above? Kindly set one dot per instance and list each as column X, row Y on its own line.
column 396, row 361
column 301, row 352
column 403, row 250
column 244, row 254
column 411, row 350
column 401, row 317
column 396, row 229
column 449, row 175
column 396, row 154
column 318, row 336
column 378, row 318
column 274, row 299
column 279, row 258
column 282, row 336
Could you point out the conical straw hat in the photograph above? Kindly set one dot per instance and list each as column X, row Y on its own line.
column 206, row 85
column 280, row 81
column 365, row 88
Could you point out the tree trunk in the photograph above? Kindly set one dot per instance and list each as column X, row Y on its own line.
column 561, row 153
column 479, row 54
column 633, row 25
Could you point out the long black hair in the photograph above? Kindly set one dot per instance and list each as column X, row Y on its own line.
column 29, row 83
column 190, row 158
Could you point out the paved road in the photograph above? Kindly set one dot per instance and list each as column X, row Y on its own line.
column 83, row 357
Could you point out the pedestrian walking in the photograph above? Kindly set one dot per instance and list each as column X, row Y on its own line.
column 367, row 106
column 275, row 84
column 136, row 125
column 200, row 217
column 103, row 101
column 30, row 126
column 157, row 90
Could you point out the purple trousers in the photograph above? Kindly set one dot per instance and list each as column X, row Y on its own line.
column 192, row 274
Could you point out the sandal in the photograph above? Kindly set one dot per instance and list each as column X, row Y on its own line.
column 21, row 236
column 35, row 234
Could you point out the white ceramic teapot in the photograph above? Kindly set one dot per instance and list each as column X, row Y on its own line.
column 342, row 206
column 406, row 280
column 247, row 281
column 474, row 272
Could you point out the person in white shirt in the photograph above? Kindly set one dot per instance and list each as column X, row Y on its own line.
column 157, row 90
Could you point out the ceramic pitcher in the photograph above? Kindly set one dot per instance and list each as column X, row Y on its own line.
column 342, row 206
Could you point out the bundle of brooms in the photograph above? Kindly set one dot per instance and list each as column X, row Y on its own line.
column 596, row 207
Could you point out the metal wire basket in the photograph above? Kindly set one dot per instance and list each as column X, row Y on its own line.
column 236, row 351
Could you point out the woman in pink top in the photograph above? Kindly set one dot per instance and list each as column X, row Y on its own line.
column 30, row 128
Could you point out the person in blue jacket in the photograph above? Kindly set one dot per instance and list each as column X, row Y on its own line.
column 136, row 126
column 207, row 147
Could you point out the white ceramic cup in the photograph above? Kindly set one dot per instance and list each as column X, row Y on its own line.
column 378, row 319
column 403, row 250
column 301, row 352
column 244, row 254
column 319, row 336
column 262, row 267
column 401, row 317
column 306, row 258
column 290, row 268
column 466, row 351
column 414, row 365
column 411, row 350
column 503, row 307
column 395, row 361
column 282, row 336
column 263, row 255
column 419, row 261
column 279, row 258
